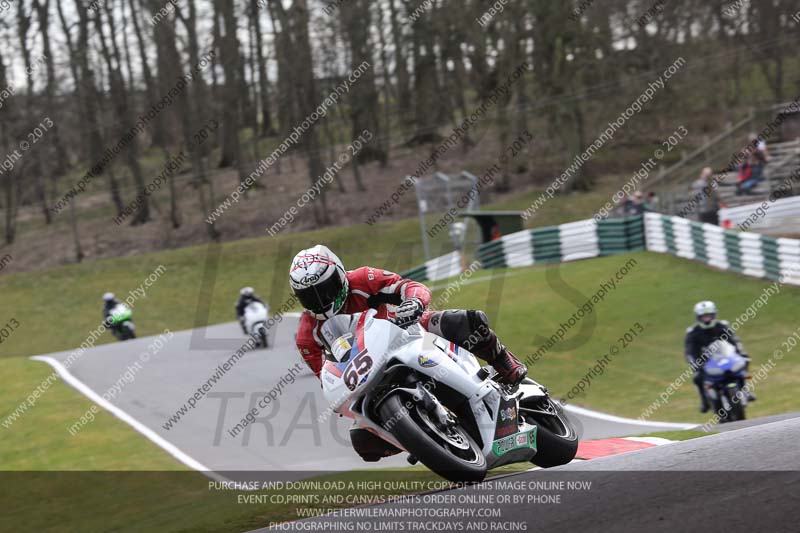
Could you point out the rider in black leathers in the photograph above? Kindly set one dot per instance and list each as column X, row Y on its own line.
column 700, row 335
column 109, row 302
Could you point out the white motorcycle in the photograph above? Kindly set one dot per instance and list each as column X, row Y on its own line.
column 255, row 322
column 431, row 398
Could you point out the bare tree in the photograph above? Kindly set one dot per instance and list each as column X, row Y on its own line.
column 294, row 35
column 147, row 73
column 263, row 82
column 91, row 98
column 31, row 165
column 10, row 180
column 356, row 22
column 192, row 110
column 61, row 157
column 427, row 108
column 228, row 45
column 404, row 97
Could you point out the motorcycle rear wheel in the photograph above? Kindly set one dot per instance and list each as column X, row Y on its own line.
column 465, row 463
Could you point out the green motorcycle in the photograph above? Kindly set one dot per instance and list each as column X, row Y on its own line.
column 119, row 320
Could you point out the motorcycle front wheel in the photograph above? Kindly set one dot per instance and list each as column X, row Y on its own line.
column 556, row 439
column 448, row 451
column 262, row 334
column 736, row 409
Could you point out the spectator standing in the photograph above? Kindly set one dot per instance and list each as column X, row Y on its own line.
column 652, row 201
column 705, row 195
column 759, row 145
column 636, row 205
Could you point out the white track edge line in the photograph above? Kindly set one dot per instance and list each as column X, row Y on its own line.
column 611, row 418
column 151, row 435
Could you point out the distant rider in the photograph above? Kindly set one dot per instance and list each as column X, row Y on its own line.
column 324, row 288
column 702, row 334
column 246, row 297
column 109, row 303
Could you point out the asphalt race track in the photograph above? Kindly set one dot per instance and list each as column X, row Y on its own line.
column 739, row 480
column 287, row 434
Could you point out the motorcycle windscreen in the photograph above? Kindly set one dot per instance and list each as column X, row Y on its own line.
column 718, row 351
column 372, row 349
column 722, row 357
column 338, row 335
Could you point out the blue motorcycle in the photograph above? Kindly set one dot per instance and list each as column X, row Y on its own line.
column 725, row 371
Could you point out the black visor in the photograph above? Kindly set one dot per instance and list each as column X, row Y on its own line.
column 321, row 297
column 707, row 318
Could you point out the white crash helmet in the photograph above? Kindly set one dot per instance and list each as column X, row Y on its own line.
column 107, row 297
column 246, row 291
column 319, row 280
column 705, row 313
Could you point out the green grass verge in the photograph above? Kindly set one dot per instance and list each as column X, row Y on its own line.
column 39, row 440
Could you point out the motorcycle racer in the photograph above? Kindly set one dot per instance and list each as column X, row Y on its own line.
column 700, row 335
column 121, row 329
column 246, row 297
column 109, row 302
column 325, row 289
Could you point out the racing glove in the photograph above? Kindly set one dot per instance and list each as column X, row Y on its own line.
column 408, row 313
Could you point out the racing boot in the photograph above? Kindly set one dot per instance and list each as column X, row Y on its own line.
column 470, row 329
column 704, row 405
column 511, row 369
